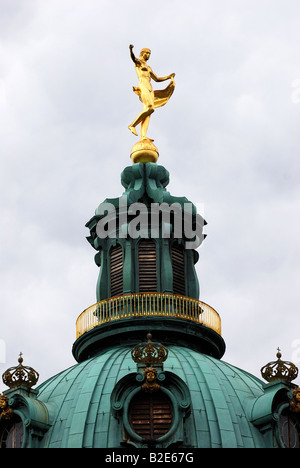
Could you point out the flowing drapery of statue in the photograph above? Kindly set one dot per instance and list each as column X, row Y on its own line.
column 145, row 151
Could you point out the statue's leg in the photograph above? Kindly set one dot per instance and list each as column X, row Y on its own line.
column 144, row 117
column 132, row 129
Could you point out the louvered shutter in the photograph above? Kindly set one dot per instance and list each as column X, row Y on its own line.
column 178, row 270
column 151, row 415
column 116, row 271
column 147, row 266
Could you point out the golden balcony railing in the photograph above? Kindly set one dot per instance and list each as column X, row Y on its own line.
column 148, row 305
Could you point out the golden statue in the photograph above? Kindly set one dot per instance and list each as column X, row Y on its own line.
column 150, row 99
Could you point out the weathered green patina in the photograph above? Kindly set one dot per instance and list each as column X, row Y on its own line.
column 145, row 184
column 228, row 406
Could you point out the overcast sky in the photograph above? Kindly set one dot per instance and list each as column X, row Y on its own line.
column 229, row 137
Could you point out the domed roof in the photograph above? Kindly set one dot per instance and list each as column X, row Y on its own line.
column 219, row 398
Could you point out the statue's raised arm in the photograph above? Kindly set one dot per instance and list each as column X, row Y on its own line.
column 150, row 99
column 133, row 57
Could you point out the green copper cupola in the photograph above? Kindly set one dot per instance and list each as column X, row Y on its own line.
column 141, row 237
column 146, row 242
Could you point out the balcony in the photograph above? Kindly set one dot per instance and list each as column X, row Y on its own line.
column 148, row 305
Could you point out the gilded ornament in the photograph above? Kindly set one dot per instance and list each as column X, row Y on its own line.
column 5, row 410
column 20, row 375
column 295, row 402
column 149, row 353
column 150, row 385
column 279, row 370
column 144, row 151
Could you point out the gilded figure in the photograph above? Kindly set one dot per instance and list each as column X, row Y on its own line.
column 150, row 99
column 150, row 386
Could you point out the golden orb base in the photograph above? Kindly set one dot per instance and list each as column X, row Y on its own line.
column 144, row 152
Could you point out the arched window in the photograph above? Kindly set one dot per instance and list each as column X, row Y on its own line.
column 177, row 254
column 147, row 266
column 116, row 271
column 151, row 415
column 12, row 433
column 289, row 429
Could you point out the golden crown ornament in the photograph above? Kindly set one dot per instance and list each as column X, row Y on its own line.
column 20, row 375
column 149, row 353
column 279, row 370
